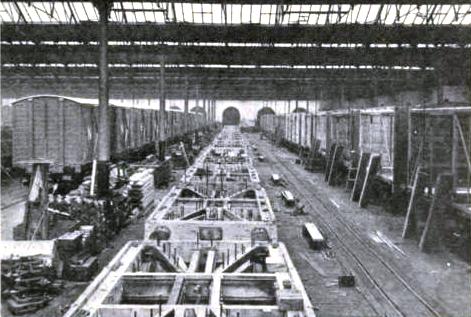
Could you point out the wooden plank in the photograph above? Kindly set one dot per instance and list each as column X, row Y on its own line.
column 210, row 262
column 195, row 258
column 372, row 169
column 360, row 176
column 454, row 152
column 463, row 141
column 31, row 121
column 420, row 181
column 430, row 237
column 176, row 291
column 62, row 132
column 329, row 161
column 335, row 164
column 430, row 135
column 400, row 147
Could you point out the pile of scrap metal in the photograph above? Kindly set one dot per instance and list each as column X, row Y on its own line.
column 28, row 275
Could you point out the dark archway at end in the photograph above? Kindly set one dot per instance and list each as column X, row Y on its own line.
column 261, row 112
column 231, row 116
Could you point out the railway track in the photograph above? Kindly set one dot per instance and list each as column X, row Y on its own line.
column 392, row 292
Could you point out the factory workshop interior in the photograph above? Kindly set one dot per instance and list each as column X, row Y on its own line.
column 235, row 158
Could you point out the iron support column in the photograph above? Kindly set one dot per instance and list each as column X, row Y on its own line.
column 162, row 112
column 214, row 110
column 185, row 115
column 104, row 8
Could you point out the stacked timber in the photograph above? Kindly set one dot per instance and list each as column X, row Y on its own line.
column 163, row 173
column 141, row 191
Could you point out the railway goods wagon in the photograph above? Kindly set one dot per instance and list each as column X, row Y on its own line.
column 343, row 129
column 62, row 130
column 195, row 121
column 376, row 135
column 132, row 129
column 274, row 125
column 301, row 126
column 220, row 193
column 145, row 279
column 175, row 126
column 189, row 216
column 279, row 123
column 6, row 146
column 320, row 128
column 267, row 123
column 262, row 112
column 291, row 132
column 306, row 132
column 439, row 143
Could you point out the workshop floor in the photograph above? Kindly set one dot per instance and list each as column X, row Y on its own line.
column 72, row 290
column 441, row 276
column 13, row 195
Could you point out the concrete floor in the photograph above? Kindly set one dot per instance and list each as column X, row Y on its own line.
column 441, row 276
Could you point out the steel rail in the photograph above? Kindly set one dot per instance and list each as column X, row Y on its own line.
column 367, row 247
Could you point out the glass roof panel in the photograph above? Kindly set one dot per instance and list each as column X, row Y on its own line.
column 205, row 13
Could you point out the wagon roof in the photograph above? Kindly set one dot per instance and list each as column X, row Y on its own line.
column 444, row 110
column 84, row 101
column 377, row 110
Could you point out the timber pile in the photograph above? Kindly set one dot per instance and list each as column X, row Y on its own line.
column 163, row 173
column 141, row 190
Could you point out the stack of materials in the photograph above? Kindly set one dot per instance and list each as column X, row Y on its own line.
column 74, row 249
column 28, row 275
column 163, row 173
column 141, row 191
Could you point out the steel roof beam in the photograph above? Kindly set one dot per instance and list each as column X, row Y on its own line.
column 143, row 90
column 178, row 32
column 198, row 55
column 199, row 73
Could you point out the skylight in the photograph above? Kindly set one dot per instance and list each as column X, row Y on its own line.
column 132, row 12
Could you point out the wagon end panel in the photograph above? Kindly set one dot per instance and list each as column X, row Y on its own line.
column 22, row 147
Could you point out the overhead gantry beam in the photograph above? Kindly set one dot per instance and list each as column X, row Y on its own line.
column 207, row 89
column 245, row 33
column 196, row 75
column 197, row 55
